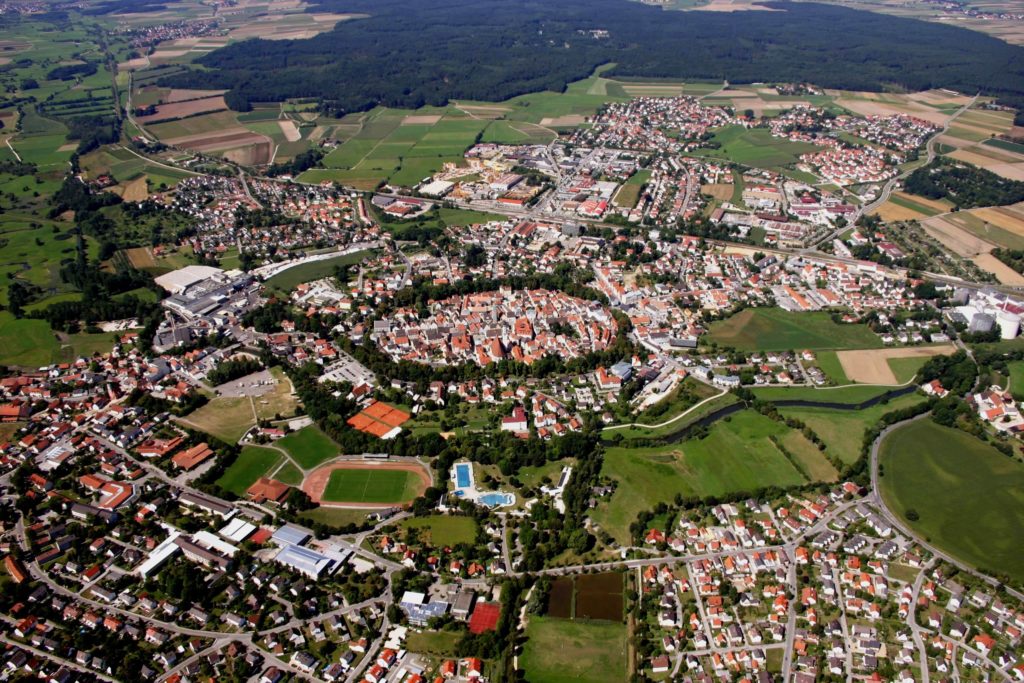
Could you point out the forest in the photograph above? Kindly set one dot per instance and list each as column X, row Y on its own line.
column 965, row 185
column 409, row 53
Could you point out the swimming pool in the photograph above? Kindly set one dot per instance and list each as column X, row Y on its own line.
column 463, row 475
column 496, row 499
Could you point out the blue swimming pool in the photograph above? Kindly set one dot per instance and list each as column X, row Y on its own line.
column 492, row 500
column 463, row 475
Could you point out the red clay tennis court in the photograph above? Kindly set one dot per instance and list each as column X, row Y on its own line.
column 484, row 617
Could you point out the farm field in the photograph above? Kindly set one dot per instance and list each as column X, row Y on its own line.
column 371, row 486
column 773, row 329
column 566, row 651
column 737, row 455
column 309, row 447
column 443, row 530
column 828, row 362
column 252, row 463
column 875, row 366
column 926, row 466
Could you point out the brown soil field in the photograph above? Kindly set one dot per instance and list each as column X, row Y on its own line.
column 291, row 132
column 1008, row 218
column 721, row 191
column 956, row 239
column 1003, row 273
column 568, row 120
column 1013, row 171
column 183, row 94
column 68, row 147
column 871, row 366
column 180, row 110
column 894, row 212
column 258, row 154
column 733, row 6
column 876, row 108
column 936, row 204
column 316, row 481
column 140, row 257
column 135, row 190
column 421, row 119
column 205, row 142
column 642, row 90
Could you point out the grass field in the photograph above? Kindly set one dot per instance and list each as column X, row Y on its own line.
column 566, row 651
column 848, row 394
column 229, row 418
column 737, row 455
column 773, row 329
column 338, row 517
column 629, row 193
column 371, row 486
column 843, row 430
column 829, row 363
column 307, row 272
column 970, row 497
column 252, row 463
column 443, row 530
column 757, row 147
column 641, row 432
column 436, row 643
column 28, row 343
column 309, row 446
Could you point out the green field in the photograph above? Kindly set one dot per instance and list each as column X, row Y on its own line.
column 773, row 329
column 371, row 486
column 904, row 369
column 757, row 147
column 843, row 430
column 309, row 447
column 443, row 530
column 629, row 193
column 566, row 651
column 331, row 516
column 829, row 363
column 736, row 455
column 969, row 497
column 1005, row 145
column 252, row 463
column 919, row 207
column 848, row 394
column 307, row 272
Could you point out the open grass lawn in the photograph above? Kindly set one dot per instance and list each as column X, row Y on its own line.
column 307, row 272
column 843, row 430
column 773, row 329
column 437, row 643
column 289, row 474
column 564, row 651
column 848, row 394
column 737, row 455
column 904, row 369
column 371, row 486
column 253, row 462
column 309, row 446
column 629, row 193
column 970, row 497
column 829, row 363
column 443, row 530
column 24, row 342
column 226, row 418
column 757, row 147
column 640, row 432
column 532, row 476
column 337, row 517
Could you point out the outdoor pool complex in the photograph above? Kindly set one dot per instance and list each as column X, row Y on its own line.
column 496, row 499
column 463, row 475
column 465, row 487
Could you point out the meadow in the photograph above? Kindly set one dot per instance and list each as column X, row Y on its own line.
column 371, row 486
column 316, row 270
column 757, row 147
column 567, row 651
column 442, row 530
column 968, row 497
column 736, row 455
column 773, row 329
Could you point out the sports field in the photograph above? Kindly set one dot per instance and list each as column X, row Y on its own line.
column 371, row 486
column 567, row 651
column 252, row 463
column 773, row 329
column 309, row 446
column 737, row 455
column 968, row 496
